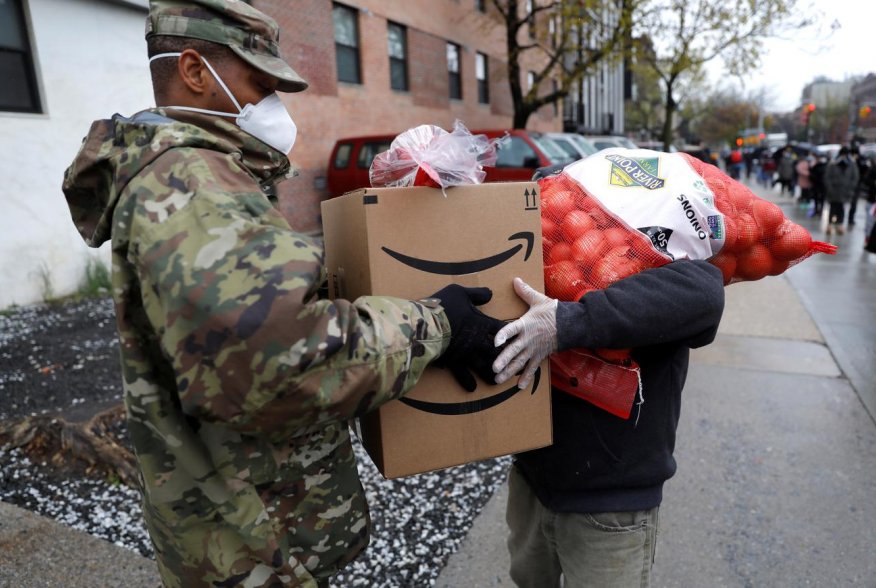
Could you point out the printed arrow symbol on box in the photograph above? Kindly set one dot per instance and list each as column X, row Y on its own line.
column 458, row 268
column 458, row 408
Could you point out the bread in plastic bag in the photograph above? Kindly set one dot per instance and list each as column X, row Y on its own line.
column 428, row 155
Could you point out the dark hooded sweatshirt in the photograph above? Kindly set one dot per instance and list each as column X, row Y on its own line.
column 602, row 463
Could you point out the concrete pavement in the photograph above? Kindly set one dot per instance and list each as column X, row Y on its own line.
column 37, row 552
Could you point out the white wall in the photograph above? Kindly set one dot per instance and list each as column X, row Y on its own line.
column 91, row 63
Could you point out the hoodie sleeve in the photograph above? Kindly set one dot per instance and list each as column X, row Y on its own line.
column 679, row 302
column 230, row 290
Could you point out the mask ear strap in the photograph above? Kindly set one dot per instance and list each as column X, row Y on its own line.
column 215, row 76
column 221, row 83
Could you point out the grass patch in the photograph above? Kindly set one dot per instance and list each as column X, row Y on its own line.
column 97, row 282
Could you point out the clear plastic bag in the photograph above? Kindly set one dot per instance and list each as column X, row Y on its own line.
column 428, row 155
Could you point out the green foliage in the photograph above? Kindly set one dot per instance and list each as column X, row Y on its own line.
column 97, row 281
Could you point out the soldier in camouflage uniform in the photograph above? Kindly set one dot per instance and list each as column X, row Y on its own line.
column 239, row 381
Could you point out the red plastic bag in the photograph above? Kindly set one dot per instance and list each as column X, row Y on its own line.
column 428, row 155
column 586, row 247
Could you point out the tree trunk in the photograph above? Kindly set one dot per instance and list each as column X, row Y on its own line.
column 670, row 107
column 521, row 116
column 92, row 448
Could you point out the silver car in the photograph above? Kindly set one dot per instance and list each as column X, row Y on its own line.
column 607, row 141
column 576, row 146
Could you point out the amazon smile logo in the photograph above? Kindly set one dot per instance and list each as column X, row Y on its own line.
column 472, row 406
column 458, row 268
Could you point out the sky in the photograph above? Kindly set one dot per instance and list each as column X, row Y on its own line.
column 789, row 64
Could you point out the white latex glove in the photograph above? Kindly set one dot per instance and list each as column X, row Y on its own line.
column 534, row 336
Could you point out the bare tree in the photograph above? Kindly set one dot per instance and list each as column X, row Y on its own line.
column 687, row 34
column 559, row 42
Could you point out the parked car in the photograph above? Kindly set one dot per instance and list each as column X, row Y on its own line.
column 521, row 155
column 655, row 146
column 700, row 152
column 868, row 150
column 829, row 149
column 608, row 141
column 351, row 160
column 576, row 146
column 523, row 152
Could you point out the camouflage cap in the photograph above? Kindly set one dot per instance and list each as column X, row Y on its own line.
column 251, row 34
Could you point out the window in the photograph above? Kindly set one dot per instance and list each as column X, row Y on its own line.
column 516, row 153
column 555, row 87
column 530, row 80
column 482, row 71
column 369, row 151
column 346, row 44
column 397, row 40
column 481, row 5
column 453, row 71
column 530, row 18
column 18, row 90
column 342, row 156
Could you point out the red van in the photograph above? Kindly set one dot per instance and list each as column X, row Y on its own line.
column 350, row 162
column 518, row 158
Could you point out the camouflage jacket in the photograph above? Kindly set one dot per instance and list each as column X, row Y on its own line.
column 239, row 381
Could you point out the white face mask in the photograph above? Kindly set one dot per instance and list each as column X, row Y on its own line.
column 268, row 121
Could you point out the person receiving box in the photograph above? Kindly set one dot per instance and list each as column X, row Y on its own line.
column 239, row 380
column 586, row 507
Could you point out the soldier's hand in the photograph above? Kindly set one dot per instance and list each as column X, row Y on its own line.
column 472, row 332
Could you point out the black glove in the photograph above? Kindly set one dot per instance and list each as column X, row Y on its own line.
column 471, row 335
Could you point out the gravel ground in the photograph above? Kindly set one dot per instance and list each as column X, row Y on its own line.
column 62, row 359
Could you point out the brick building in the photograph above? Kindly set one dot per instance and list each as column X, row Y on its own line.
column 383, row 66
column 862, row 109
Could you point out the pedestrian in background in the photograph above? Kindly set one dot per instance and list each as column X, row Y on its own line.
column 735, row 163
column 804, row 179
column 767, row 169
column 841, row 185
column 785, row 170
column 239, row 379
column 816, row 175
column 863, row 170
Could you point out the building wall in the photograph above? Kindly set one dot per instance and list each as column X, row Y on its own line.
column 863, row 94
column 91, row 63
column 330, row 110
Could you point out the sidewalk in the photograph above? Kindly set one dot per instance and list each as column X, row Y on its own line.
column 37, row 552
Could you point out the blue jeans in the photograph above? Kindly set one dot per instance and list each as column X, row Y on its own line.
column 594, row 549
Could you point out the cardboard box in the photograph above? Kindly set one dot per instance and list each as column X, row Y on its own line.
column 411, row 242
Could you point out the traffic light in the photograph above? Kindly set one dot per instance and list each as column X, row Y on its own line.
column 807, row 112
column 739, row 141
column 864, row 111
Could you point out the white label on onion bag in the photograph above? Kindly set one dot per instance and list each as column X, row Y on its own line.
column 653, row 192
